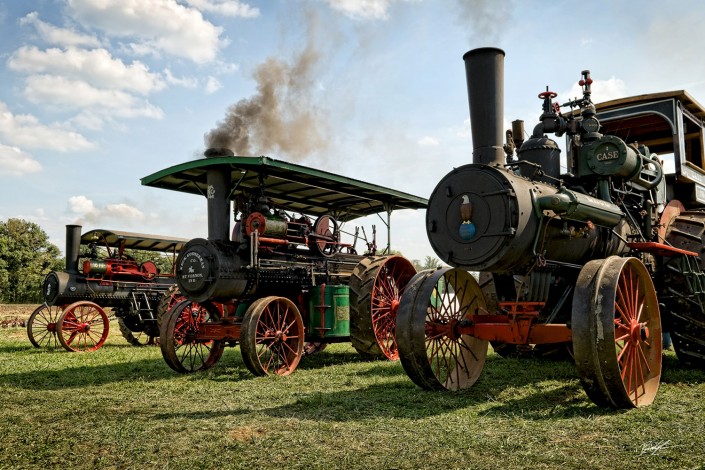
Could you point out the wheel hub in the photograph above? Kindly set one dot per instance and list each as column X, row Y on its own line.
column 638, row 332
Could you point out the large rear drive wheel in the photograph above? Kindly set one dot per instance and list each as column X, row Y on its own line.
column 376, row 287
column 272, row 339
column 181, row 349
column 41, row 326
column 682, row 289
column 617, row 333
column 432, row 352
column 83, row 326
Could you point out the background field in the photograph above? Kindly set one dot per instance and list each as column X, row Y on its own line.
column 122, row 407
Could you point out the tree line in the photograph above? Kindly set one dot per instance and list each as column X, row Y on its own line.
column 27, row 256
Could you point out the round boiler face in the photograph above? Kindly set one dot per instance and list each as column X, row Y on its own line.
column 193, row 268
column 472, row 216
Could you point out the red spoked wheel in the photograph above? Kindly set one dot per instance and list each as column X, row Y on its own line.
column 325, row 238
column 617, row 333
column 376, row 287
column 272, row 338
column 83, row 327
column 433, row 353
column 41, row 326
column 181, row 349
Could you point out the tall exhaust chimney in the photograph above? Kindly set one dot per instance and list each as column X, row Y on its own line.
column 218, row 194
column 73, row 248
column 484, row 70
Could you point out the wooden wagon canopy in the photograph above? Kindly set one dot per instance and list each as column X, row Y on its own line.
column 292, row 187
column 138, row 241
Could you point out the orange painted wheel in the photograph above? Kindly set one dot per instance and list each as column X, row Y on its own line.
column 617, row 333
column 434, row 355
column 376, row 287
column 41, row 326
column 272, row 339
column 181, row 349
column 83, row 327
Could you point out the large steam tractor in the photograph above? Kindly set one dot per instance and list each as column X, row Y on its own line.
column 601, row 257
column 100, row 273
column 284, row 280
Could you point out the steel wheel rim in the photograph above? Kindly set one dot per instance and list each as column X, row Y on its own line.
column 41, row 326
column 637, row 336
column 275, row 336
column 388, row 288
column 617, row 333
column 433, row 354
column 180, row 348
column 83, row 327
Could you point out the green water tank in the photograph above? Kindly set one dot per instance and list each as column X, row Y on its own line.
column 334, row 304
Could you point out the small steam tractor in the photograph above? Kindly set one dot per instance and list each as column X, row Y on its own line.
column 283, row 281
column 601, row 257
column 73, row 314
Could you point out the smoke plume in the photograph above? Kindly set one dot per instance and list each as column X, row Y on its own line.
column 283, row 116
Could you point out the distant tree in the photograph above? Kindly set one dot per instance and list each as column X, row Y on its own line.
column 429, row 262
column 26, row 256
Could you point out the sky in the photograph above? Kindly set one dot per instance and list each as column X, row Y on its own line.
column 96, row 94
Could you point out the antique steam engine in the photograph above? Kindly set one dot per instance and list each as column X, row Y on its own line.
column 563, row 258
column 283, row 281
column 108, row 276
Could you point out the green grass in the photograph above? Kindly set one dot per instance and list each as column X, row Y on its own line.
column 122, row 407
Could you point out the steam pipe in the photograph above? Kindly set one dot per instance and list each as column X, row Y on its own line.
column 73, row 248
column 484, row 70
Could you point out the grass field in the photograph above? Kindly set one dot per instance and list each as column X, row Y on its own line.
column 122, row 407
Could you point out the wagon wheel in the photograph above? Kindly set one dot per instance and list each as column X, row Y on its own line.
column 129, row 330
column 41, row 326
column 181, row 350
column 325, row 236
column 167, row 301
column 272, row 338
column 617, row 333
column 83, row 326
column 433, row 354
column 376, row 287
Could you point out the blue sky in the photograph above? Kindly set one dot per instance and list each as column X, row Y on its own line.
column 98, row 93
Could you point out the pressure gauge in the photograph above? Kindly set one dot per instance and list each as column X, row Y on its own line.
column 591, row 124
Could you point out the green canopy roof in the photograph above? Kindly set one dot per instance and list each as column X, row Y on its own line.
column 289, row 186
column 138, row 241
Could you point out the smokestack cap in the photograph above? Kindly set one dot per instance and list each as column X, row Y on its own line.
column 218, row 152
column 482, row 50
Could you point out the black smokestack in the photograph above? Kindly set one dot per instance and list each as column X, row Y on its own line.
column 218, row 195
column 283, row 116
column 73, row 247
column 484, row 69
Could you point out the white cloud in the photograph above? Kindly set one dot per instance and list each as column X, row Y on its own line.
column 25, row 131
column 187, row 82
column 161, row 24
column 225, row 7
column 15, row 162
column 363, row 9
column 213, row 85
column 602, row 90
column 55, row 35
column 65, row 93
column 428, row 141
column 86, row 211
column 96, row 67
column 81, row 205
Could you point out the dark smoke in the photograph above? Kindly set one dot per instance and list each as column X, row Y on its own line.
column 283, row 116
